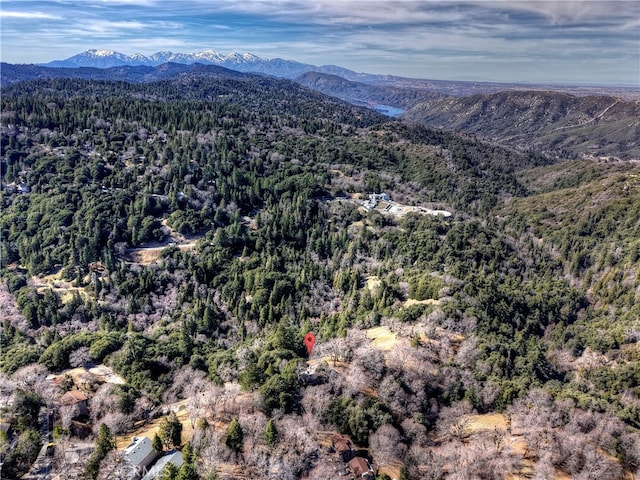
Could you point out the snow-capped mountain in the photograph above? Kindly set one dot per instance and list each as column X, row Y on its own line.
column 243, row 62
column 100, row 59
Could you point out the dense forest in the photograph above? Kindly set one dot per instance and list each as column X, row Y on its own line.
column 187, row 234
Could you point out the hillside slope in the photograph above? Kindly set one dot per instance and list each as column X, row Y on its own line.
column 552, row 122
column 364, row 94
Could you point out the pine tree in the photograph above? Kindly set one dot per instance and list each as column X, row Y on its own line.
column 157, row 444
column 235, row 436
column 271, row 433
column 170, row 431
column 188, row 453
column 188, row 472
column 105, row 442
column 169, row 472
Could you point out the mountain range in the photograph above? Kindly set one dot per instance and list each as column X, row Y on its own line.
column 564, row 121
column 293, row 70
column 245, row 62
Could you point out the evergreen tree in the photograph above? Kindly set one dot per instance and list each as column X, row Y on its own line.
column 271, row 433
column 169, row 472
column 404, row 474
column 188, row 453
column 235, row 436
column 157, row 444
column 104, row 444
column 188, row 472
column 170, row 431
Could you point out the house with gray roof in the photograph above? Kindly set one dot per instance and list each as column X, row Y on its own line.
column 175, row 457
column 139, row 454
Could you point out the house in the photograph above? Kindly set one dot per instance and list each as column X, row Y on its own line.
column 75, row 398
column 374, row 198
column 139, row 454
column 360, row 468
column 174, row 457
column 343, row 447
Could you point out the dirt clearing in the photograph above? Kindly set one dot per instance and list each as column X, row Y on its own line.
column 55, row 282
column 149, row 429
column 147, row 255
column 489, row 421
column 383, row 338
column 428, row 301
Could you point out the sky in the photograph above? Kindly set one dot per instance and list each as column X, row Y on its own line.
column 573, row 42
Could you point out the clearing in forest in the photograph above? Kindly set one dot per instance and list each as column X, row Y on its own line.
column 55, row 282
column 428, row 301
column 149, row 429
column 383, row 338
column 147, row 255
column 392, row 469
column 81, row 375
column 487, row 421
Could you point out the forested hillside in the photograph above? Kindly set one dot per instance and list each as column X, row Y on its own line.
column 365, row 94
column 564, row 125
column 188, row 233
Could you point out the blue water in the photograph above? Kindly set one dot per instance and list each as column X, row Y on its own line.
column 388, row 111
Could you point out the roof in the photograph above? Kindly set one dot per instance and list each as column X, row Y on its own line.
column 174, row 457
column 72, row 397
column 341, row 443
column 359, row 466
column 139, row 451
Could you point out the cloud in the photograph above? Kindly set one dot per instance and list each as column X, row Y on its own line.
column 118, row 28
column 347, row 12
column 29, row 15
column 397, row 36
column 148, row 45
column 136, row 3
column 101, row 26
column 570, row 11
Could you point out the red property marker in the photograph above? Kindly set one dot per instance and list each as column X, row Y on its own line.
column 309, row 341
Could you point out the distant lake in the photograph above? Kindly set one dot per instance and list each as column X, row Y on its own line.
column 389, row 111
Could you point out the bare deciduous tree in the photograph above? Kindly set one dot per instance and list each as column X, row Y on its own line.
column 80, row 357
column 117, row 422
column 629, row 447
column 386, row 445
column 104, row 401
column 392, row 392
column 453, row 421
column 599, row 467
column 7, row 387
column 68, row 413
column 185, row 381
column 212, row 398
column 316, row 399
